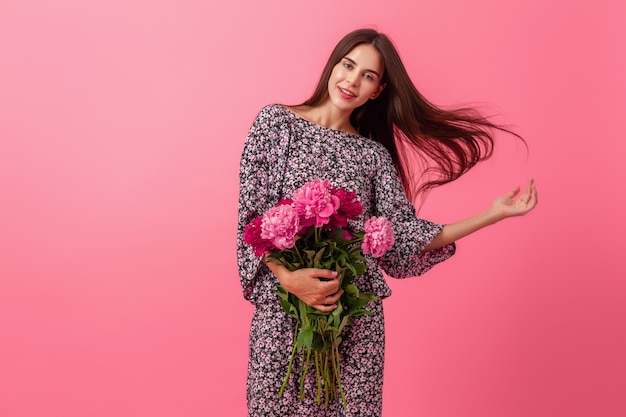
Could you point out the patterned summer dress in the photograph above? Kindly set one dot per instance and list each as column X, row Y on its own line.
column 282, row 152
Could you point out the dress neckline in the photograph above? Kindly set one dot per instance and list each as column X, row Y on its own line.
column 299, row 117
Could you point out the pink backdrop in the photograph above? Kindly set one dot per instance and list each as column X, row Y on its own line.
column 121, row 126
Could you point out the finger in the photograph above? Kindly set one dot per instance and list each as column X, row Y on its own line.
column 324, row 308
column 513, row 192
column 525, row 198
column 529, row 191
column 529, row 202
column 329, row 287
column 330, row 299
column 325, row 305
column 534, row 198
column 333, row 298
column 324, row 273
column 531, row 198
column 527, row 188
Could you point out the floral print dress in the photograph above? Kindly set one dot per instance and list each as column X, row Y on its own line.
column 282, row 152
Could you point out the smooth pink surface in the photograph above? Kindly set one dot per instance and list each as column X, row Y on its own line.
column 121, row 126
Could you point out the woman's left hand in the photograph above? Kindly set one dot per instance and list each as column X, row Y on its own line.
column 508, row 205
column 512, row 204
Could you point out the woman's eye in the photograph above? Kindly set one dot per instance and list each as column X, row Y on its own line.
column 347, row 65
column 369, row 77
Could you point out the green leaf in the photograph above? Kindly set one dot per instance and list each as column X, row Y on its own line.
column 344, row 322
column 359, row 269
column 318, row 256
column 327, row 344
column 351, row 291
column 289, row 308
column 303, row 313
column 318, row 342
column 305, row 338
column 335, row 315
column 285, row 302
column 316, row 314
column 359, row 303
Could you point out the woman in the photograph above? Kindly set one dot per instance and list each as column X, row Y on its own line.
column 348, row 132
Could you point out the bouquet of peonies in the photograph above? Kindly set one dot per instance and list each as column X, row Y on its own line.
column 310, row 230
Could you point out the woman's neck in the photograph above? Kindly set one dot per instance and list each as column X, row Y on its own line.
column 327, row 115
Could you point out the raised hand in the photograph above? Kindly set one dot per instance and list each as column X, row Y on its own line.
column 514, row 203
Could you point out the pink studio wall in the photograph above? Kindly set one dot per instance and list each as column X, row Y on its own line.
column 121, row 126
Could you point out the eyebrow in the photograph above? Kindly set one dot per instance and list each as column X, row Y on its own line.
column 367, row 70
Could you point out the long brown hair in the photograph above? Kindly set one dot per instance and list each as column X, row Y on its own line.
column 449, row 142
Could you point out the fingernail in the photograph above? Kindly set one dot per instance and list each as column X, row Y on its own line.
column 334, row 274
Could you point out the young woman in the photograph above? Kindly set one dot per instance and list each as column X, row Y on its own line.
column 349, row 132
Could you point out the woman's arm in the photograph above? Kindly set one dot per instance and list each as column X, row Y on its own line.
column 502, row 207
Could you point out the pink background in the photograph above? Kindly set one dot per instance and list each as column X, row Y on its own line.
column 121, row 127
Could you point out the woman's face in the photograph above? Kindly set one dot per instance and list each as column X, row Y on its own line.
column 356, row 78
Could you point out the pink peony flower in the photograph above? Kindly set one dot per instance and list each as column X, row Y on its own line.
column 378, row 237
column 252, row 236
column 347, row 234
column 285, row 201
column 279, row 225
column 314, row 202
column 349, row 208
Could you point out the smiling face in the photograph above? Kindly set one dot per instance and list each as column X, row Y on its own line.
column 356, row 78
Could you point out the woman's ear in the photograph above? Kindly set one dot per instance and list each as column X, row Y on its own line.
column 380, row 90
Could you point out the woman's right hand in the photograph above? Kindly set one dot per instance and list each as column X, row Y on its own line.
column 321, row 294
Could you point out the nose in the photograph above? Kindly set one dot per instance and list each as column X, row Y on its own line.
column 352, row 78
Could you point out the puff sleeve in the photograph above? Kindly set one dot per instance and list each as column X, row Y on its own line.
column 253, row 196
column 412, row 234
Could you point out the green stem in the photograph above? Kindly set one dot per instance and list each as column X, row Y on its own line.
column 306, row 352
column 295, row 247
column 293, row 353
column 326, row 387
column 318, row 363
column 335, row 350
